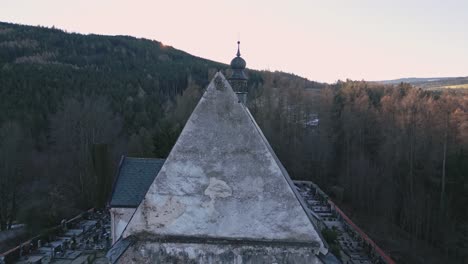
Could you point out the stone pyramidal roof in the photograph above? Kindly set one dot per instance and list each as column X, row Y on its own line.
column 222, row 180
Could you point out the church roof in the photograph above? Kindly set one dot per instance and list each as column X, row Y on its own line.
column 134, row 177
column 223, row 180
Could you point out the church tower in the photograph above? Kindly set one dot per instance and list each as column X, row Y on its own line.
column 238, row 78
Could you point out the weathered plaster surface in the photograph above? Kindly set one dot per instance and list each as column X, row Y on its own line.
column 221, row 180
column 154, row 252
column 119, row 220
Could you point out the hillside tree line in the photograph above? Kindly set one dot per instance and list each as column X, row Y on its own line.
column 395, row 155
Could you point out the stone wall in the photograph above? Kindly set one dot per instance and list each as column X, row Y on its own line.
column 157, row 252
column 119, row 220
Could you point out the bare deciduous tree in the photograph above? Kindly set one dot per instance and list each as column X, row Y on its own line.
column 75, row 129
column 15, row 153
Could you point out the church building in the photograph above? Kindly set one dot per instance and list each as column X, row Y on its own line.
column 221, row 196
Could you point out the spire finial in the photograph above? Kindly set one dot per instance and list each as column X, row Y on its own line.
column 238, row 49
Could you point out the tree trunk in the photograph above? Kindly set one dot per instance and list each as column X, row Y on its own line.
column 442, row 189
column 2, row 222
column 12, row 214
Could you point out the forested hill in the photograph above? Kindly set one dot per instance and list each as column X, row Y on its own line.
column 39, row 66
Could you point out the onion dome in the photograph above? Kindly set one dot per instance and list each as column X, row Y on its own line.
column 238, row 66
column 238, row 63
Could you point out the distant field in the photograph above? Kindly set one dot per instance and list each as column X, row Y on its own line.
column 458, row 86
column 459, row 83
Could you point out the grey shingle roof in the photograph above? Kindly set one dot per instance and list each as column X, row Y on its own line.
column 133, row 180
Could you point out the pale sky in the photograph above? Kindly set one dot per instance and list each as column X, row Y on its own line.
column 322, row 40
